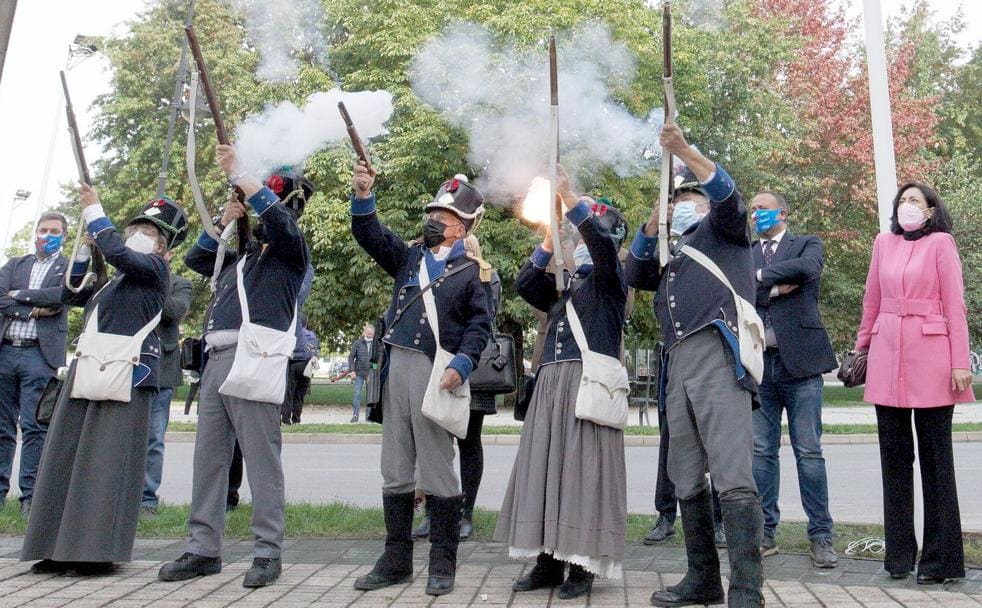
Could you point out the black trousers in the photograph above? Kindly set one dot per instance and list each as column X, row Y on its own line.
column 296, row 389
column 943, row 553
column 471, row 460
column 666, row 502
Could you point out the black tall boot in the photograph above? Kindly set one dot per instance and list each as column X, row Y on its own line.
column 702, row 584
column 396, row 564
column 744, row 523
column 444, row 538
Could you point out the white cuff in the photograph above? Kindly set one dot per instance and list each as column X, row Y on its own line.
column 92, row 213
column 775, row 291
column 759, row 275
column 84, row 253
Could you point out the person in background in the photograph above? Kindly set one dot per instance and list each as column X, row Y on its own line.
column 482, row 404
column 915, row 330
column 87, row 498
column 788, row 269
column 176, row 307
column 308, row 350
column 34, row 333
column 359, row 364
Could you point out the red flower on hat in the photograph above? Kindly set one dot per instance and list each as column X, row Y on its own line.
column 159, row 202
column 451, row 185
column 599, row 209
column 275, row 183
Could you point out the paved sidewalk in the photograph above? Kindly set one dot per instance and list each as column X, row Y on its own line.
column 320, row 573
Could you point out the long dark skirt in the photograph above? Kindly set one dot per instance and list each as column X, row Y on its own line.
column 87, row 499
column 568, row 490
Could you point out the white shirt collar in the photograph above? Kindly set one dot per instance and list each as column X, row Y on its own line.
column 776, row 238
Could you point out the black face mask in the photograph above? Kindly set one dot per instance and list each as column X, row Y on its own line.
column 433, row 233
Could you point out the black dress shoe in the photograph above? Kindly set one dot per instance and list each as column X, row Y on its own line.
column 547, row 572
column 577, row 584
column 50, row 566
column 927, row 579
column 189, row 566
column 264, row 571
column 374, row 580
column 899, row 575
column 92, row 568
column 670, row 599
column 466, row 527
column 439, row 585
column 663, row 530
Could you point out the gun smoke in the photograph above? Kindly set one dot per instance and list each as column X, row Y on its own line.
column 284, row 134
column 282, row 31
column 499, row 94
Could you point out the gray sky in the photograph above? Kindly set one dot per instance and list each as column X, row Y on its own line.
column 31, row 107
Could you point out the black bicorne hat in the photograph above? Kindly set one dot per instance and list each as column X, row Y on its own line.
column 291, row 187
column 686, row 181
column 465, row 201
column 166, row 215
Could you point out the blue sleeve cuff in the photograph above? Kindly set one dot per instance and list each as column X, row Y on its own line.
column 720, row 186
column 80, row 268
column 263, row 200
column 579, row 213
column 206, row 242
column 644, row 247
column 463, row 364
column 98, row 225
column 540, row 258
column 363, row 206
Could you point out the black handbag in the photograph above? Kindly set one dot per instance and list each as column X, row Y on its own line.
column 191, row 349
column 524, row 396
column 49, row 397
column 852, row 372
column 497, row 372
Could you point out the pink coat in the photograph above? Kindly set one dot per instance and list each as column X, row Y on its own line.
column 914, row 322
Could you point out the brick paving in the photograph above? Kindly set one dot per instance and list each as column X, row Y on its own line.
column 321, row 572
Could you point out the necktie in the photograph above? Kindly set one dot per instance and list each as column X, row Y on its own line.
column 768, row 250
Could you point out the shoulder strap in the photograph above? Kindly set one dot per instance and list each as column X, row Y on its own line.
column 429, row 302
column 92, row 324
column 577, row 329
column 429, row 285
column 243, row 302
column 709, row 265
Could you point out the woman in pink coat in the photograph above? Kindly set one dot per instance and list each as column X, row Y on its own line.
column 915, row 330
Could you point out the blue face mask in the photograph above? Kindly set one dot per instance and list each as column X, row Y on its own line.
column 49, row 243
column 684, row 216
column 581, row 255
column 765, row 219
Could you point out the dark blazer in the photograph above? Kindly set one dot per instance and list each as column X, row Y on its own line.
column 599, row 294
column 53, row 330
column 133, row 296
column 175, row 309
column 801, row 337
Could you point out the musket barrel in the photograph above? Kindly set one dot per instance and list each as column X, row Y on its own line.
column 206, row 83
column 83, row 167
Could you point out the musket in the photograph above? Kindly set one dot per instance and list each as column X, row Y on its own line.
column 667, row 179
column 182, row 72
column 555, row 207
column 356, row 141
column 99, row 276
column 242, row 224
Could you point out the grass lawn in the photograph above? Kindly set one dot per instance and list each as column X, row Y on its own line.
column 371, row 428
column 341, row 521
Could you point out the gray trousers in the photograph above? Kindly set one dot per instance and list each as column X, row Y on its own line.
column 409, row 437
column 256, row 425
column 710, row 420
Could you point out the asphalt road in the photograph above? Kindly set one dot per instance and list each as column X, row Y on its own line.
column 350, row 473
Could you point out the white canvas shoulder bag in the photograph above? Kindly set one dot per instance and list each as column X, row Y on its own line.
column 104, row 362
column 262, row 355
column 751, row 328
column 604, row 387
column 450, row 409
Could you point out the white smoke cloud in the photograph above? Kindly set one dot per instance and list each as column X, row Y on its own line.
column 282, row 31
column 284, row 134
column 500, row 95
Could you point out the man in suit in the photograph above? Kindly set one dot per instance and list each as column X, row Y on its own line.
column 34, row 331
column 788, row 269
column 176, row 307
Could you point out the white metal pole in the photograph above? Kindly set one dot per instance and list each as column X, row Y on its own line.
column 879, row 98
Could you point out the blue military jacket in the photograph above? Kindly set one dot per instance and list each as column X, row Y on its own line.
column 599, row 293
column 461, row 299
column 133, row 296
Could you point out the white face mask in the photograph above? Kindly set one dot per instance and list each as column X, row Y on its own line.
column 141, row 243
column 581, row 255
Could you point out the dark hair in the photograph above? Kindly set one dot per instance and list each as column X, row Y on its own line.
column 53, row 215
column 781, row 201
column 940, row 220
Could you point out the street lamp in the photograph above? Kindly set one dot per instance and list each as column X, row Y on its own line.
column 19, row 197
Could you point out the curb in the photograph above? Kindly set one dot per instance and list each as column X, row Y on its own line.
column 629, row 440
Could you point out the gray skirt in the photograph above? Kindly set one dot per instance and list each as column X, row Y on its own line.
column 90, row 481
column 567, row 495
